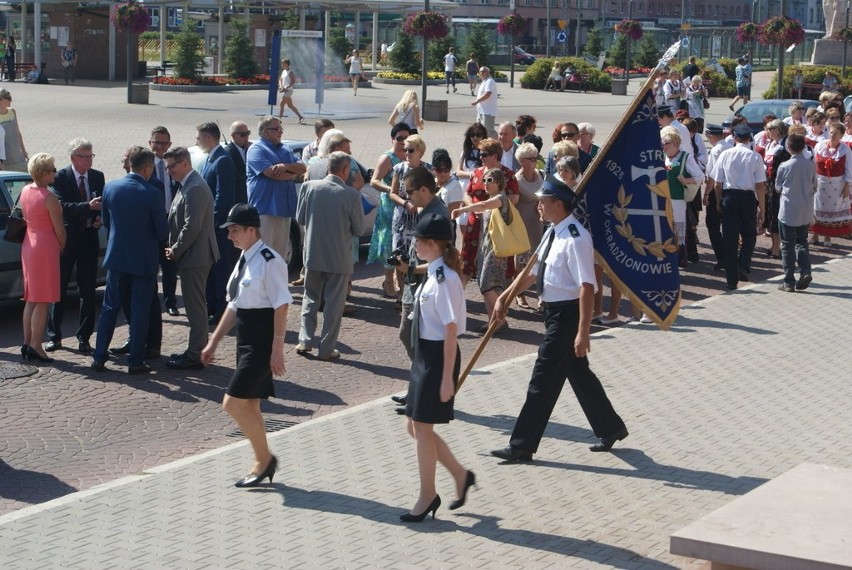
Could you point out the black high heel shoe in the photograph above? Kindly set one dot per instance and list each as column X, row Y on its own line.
column 252, row 480
column 408, row 517
column 24, row 351
column 33, row 355
column 469, row 482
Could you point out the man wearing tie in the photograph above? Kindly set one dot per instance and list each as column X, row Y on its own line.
column 78, row 187
column 160, row 142
column 218, row 172
column 193, row 246
column 133, row 215
column 237, row 149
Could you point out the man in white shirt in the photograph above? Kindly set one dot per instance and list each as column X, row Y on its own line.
column 713, row 219
column 160, row 142
column 450, row 62
column 740, row 177
column 486, row 101
column 665, row 116
column 506, row 134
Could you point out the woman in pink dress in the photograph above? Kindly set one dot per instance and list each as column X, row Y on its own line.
column 40, row 251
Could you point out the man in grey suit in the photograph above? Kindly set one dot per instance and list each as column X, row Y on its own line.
column 193, row 246
column 331, row 213
column 506, row 134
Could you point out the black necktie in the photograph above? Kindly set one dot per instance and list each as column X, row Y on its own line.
column 234, row 284
column 539, row 281
column 415, row 322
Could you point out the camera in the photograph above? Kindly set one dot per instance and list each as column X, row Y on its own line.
column 398, row 255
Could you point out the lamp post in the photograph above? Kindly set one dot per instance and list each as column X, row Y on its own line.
column 547, row 29
column 845, row 42
column 627, row 45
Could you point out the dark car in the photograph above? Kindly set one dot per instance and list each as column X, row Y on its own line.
column 523, row 57
column 754, row 111
column 11, row 278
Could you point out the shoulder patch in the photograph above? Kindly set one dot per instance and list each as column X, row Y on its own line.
column 267, row 254
column 574, row 231
column 439, row 274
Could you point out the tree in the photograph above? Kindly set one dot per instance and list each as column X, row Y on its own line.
column 239, row 53
column 437, row 50
column 338, row 44
column 647, row 52
column 188, row 58
column 477, row 44
column 404, row 57
column 594, row 43
column 618, row 51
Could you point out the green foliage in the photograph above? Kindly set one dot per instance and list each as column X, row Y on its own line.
column 155, row 36
column 720, row 84
column 477, row 44
column 536, row 74
column 239, row 53
column 438, row 49
column 594, row 42
column 290, row 20
column 647, row 52
column 617, row 55
column 338, row 44
column 729, row 65
column 188, row 56
column 404, row 57
column 811, row 73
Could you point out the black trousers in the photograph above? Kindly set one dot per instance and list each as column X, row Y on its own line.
column 739, row 219
column 557, row 361
column 713, row 219
column 84, row 256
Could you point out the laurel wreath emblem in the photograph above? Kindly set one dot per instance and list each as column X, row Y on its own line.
column 642, row 247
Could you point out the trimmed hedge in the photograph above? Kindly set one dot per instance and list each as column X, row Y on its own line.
column 537, row 74
column 812, row 74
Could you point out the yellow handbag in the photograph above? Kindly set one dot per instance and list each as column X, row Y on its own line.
column 508, row 239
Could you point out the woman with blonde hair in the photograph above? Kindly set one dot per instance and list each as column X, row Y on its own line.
column 16, row 153
column 681, row 169
column 44, row 241
column 407, row 111
column 529, row 180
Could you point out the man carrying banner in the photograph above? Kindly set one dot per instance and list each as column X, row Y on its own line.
column 740, row 178
column 565, row 277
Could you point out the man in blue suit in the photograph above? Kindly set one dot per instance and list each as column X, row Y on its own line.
column 220, row 174
column 132, row 212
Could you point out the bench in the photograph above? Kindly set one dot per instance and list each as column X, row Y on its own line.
column 579, row 83
column 800, row 519
column 22, row 69
column 811, row 90
column 163, row 68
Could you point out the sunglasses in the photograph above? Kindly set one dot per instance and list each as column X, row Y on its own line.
column 484, row 154
column 400, row 138
column 488, row 180
column 569, row 135
column 410, row 150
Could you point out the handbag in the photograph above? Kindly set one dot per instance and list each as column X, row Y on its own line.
column 508, row 239
column 16, row 227
column 705, row 101
column 689, row 190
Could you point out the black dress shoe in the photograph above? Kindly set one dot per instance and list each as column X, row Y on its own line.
column 400, row 411
column 607, row 442
column 84, row 346
column 252, row 480
column 175, row 355
column 123, row 349
column 53, row 345
column 742, row 274
column 185, row 363
column 141, row 369
column 512, row 454
column 400, row 399
column 97, row 366
column 172, row 311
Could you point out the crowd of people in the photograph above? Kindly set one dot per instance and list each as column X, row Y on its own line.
column 223, row 227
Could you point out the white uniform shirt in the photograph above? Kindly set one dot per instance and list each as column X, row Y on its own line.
column 489, row 106
column 739, row 168
column 441, row 303
column 685, row 136
column 263, row 284
column 570, row 262
column 450, row 63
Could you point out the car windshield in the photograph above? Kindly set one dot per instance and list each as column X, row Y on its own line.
column 754, row 113
column 15, row 187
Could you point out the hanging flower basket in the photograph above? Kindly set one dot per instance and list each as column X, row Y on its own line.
column 131, row 17
column 426, row 25
column 746, row 32
column 512, row 25
column 781, row 31
column 843, row 35
column 630, row 28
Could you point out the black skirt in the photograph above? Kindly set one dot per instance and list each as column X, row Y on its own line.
column 424, row 390
column 253, row 376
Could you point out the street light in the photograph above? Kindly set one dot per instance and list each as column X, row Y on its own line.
column 627, row 48
column 845, row 41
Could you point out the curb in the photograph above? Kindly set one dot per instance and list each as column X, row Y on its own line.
column 223, row 88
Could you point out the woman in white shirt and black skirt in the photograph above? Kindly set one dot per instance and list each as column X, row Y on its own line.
column 439, row 316
column 258, row 298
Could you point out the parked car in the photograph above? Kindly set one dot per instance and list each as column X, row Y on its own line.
column 523, row 57
column 11, row 278
column 754, row 111
column 294, row 255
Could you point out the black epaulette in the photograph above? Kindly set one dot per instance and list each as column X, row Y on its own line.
column 439, row 274
column 267, row 254
column 574, row 231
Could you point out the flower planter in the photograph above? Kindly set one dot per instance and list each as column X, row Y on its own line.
column 139, row 94
column 435, row 110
